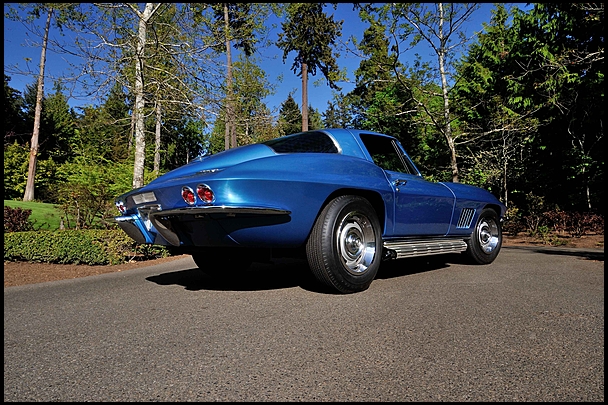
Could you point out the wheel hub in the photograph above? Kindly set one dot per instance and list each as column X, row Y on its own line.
column 488, row 235
column 356, row 243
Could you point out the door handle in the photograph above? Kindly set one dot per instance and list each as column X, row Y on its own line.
column 399, row 182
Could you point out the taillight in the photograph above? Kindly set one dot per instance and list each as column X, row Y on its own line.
column 188, row 195
column 205, row 193
column 121, row 207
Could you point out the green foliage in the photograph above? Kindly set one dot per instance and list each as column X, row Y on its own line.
column 290, row 117
column 87, row 191
column 253, row 120
column 311, row 34
column 513, row 221
column 562, row 44
column 59, row 122
column 314, row 119
column 241, row 25
column 14, row 119
column 16, row 160
column 337, row 114
column 15, row 170
column 184, row 140
column 251, row 87
column 91, row 247
column 477, row 177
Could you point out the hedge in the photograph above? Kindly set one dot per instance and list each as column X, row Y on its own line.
column 91, row 247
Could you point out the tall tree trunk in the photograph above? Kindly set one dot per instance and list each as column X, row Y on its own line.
column 441, row 55
column 138, row 110
column 131, row 133
column 157, row 140
column 230, row 131
column 505, row 189
column 31, row 171
column 304, row 97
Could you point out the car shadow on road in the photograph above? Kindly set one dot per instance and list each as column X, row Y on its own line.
column 289, row 273
column 282, row 273
column 414, row 265
column 588, row 254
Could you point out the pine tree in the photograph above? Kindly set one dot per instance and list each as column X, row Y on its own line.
column 310, row 33
column 290, row 117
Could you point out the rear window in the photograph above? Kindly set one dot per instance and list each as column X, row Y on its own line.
column 305, row 142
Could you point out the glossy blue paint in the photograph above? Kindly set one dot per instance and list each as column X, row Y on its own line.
column 257, row 177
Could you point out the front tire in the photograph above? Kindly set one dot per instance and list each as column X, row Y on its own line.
column 486, row 239
column 345, row 246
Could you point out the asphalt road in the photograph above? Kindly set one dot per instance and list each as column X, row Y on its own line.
column 529, row 327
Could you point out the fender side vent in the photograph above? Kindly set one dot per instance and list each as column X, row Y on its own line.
column 466, row 217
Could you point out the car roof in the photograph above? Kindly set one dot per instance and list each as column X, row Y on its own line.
column 350, row 141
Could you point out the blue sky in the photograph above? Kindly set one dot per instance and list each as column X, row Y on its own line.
column 16, row 51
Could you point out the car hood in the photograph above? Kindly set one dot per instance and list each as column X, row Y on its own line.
column 217, row 162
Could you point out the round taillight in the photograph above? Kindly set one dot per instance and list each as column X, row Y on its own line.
column 205, row 193
column 121, row 207
column 188, row 195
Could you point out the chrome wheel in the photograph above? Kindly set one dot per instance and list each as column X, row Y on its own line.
column 356, row 242
column 488, row 235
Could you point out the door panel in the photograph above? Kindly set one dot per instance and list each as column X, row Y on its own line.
column 421, row 207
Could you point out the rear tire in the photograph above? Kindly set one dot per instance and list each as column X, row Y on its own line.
column 344, row 248
column 486, row 239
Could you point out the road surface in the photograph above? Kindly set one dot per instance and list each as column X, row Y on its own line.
column 529, row 327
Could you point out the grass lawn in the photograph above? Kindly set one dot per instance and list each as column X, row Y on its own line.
column 44, row 216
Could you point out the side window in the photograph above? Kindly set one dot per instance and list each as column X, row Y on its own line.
column 386, row 153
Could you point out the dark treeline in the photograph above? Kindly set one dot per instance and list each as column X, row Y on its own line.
column 516, row 109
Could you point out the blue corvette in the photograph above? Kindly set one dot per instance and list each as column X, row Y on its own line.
column 344, row 199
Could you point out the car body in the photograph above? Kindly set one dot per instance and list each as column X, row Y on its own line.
column 345, row 199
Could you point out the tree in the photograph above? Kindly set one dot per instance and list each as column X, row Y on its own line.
column 144, row 18
column 378, row 102
column 234, row 16
column 235, row 25
column 564, row 45
column 31, row 171
column 500, row 131
column 310, row 33
column 14, row 120
column 337, row 114
column 116, row 122
column 290, row 117
column 254, row 122
column 314, row 118
column 186, row 140
column 63, row 12
column 162, row 63
column 440, row 25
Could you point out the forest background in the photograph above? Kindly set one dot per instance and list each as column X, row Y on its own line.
column 515, row 108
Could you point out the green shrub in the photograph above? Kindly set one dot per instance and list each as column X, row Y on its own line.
column 91, row 247
column 513, row 222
